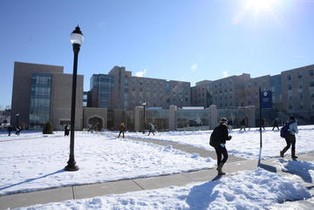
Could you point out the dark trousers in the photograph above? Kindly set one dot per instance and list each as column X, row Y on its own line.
column 221, row 151
column 121, row 132
column 290, row 140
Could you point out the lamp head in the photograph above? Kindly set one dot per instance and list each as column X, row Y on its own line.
column 77, row 36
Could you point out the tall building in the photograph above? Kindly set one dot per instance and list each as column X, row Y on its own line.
column 41, row 94
column 251, row 90
column 298, row 91
column 292, row 92
column 275, row 87
column 123, row 91
column 200, row 94
column 101, row 86
column 228, row 92
column 120, row 90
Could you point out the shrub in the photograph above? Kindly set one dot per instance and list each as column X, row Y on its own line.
column 47, row 129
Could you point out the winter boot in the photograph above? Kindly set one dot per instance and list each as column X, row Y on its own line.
column 282, row 153
column 219, row 169
column 293, row 156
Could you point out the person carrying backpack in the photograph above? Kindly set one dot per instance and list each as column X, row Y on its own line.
column 290, row 138
column 151, row 129
column 218, row 140
column 122, row 130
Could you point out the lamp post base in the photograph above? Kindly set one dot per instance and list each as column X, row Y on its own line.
column 71, row 167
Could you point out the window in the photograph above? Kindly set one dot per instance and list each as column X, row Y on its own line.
column 289, row 87
column 290, row 107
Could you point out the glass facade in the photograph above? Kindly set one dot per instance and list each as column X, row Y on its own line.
column 40, row 100
column 102, row 85
column 159, row 117
column 192, row 118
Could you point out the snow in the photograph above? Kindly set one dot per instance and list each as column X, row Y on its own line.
column 34, row 161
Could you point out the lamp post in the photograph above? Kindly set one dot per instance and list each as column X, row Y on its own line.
column 144, row 105
column 77, row 39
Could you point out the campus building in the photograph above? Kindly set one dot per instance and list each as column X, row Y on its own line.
column 292, row 93
column 298, row 91
column 42, row 93
column 120, row 90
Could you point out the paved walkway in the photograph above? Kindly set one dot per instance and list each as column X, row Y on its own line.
column 117, row 187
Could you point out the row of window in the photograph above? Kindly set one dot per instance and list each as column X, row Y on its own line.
column 300, row 76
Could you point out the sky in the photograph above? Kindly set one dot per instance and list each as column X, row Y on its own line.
column 102, row 157
column 181, row 40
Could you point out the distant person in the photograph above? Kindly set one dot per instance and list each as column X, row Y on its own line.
column 275, row 124
column 18, row 130
column 218, row 140
column 242, row 124
column 151, row 129
column 122, row 130
column 290, row 138
column 66, row 130
column 9, row 130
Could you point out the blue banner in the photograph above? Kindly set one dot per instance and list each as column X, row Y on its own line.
column 266, row 99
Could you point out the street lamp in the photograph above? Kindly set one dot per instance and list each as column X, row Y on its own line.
column 77, row 39
column 144, row 105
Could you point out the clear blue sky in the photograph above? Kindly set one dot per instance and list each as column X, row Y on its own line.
column 189, row 40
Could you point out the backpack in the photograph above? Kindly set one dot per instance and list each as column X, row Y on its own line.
column 214, row 137
column 284, row 131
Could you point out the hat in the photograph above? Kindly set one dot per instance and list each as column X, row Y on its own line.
column 223, row 119
column 291, row 117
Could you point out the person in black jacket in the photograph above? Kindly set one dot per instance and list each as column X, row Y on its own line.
column 66, row 130
column 220, row 144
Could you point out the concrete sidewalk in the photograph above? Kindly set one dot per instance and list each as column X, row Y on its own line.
column 122, row 186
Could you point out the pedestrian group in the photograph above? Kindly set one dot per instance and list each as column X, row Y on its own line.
column 220, row 136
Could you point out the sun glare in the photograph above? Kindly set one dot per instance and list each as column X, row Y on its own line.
column 258, row 6
column 258, row 10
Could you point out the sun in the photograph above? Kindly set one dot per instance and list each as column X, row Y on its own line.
column 256, row 10
column 260, row 6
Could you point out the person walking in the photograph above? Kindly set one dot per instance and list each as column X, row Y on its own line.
column 218, row 140
column 290, row 138
column 151, row 129
column 242, row 124
column 66, row 130
column 275, row 124
column 122, row 130
column 10, row 130
column 18, row 130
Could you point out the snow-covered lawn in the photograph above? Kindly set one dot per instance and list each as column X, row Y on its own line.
column 33, row 161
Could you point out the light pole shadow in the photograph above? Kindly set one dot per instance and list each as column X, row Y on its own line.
column 31, row 179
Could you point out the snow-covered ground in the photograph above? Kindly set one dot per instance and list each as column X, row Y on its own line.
column 34, row 161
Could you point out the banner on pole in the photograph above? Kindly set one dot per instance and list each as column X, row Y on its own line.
column 266, row 99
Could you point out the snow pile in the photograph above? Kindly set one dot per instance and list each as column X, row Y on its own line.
column 257, row 189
